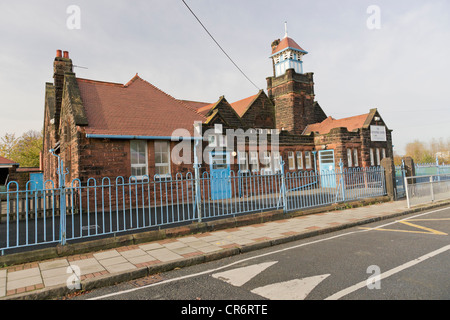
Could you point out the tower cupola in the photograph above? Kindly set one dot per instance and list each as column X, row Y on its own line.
column 287, row 54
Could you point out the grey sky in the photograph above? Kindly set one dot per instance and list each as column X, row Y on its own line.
column 402, row 69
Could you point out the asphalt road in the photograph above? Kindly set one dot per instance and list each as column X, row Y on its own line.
column 404, row 259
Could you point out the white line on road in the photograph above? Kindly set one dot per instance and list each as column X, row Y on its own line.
column 254, row 257
column 237, row 277
column 389, row 273
column 297, row 289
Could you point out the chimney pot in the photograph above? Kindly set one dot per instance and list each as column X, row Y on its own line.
column 58, row 53
column 66, row 54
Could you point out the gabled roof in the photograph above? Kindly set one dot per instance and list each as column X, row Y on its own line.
column 241, row 106
column 227, row 113
column 205, row 109
column 135, row 109
column 286, row 43
column 351, row 123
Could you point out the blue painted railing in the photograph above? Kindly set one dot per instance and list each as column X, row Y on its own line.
column 66, row 212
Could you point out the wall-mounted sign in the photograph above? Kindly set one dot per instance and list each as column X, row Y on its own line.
column 378, row 133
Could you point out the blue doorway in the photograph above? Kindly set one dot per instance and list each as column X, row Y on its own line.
column 220, row 175
column 327, row 169
column 38, row 178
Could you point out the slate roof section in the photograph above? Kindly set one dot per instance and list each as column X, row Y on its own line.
column 137, row 108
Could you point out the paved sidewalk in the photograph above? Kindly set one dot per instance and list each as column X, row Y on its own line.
column 48, row 279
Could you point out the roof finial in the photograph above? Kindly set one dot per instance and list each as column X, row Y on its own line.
column 285, row 29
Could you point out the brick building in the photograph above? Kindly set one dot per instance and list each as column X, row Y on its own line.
column 11, row 171
column 103, row 129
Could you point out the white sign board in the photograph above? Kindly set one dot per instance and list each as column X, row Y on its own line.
column 378, row 133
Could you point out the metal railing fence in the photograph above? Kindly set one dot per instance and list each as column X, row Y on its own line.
column 426, row 189
column 96, row 208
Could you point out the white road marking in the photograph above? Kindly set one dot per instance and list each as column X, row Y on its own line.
column 237, row 277
column 389, row 273
column 297, row 289
column 254, row 257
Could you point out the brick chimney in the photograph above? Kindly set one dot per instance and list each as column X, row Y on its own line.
column 61, row 65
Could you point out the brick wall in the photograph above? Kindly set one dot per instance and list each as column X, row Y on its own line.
column 261, row 114
column 293, row 97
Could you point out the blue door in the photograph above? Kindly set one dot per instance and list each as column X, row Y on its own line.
column 38, row 178
column 220, row 175
column 327, row 169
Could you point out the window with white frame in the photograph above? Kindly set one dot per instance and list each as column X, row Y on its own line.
column 254, row 163
column 308, row 162
column 378, row 156
column 276, row 161
column 349, row 158
column 243, row 161
column 372, row 158
column 222, row 141
column 291, row 160
column 212, row 141
column 138, row 155
column 162, row 158
column 266, row 163
column 355, row 158
column 299, row 160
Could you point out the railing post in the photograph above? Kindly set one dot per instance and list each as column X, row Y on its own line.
column 62, row 198
column 197, row 191
column 438, row 171
column 407, row 191
column 341, row 167
column 198, row 138
column 431, row 189
column 283, row 186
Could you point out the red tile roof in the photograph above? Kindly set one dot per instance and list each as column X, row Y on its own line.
column 137, row 108
column 205, row 109
column 286, row 43
column 242, row 105
column 329, row 123
column 195, row 104
column 4, row 161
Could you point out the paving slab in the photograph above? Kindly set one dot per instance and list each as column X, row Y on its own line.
column 164, row 255
column 48, row 265
column 132, row 253
column 88, row 266
column 106, row 254
column 120, row 267
column 151, row 246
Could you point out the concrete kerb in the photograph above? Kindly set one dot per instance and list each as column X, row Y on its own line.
column 111, row 279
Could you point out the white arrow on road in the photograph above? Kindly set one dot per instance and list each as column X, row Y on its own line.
column 297, row 289
column 237, row 277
